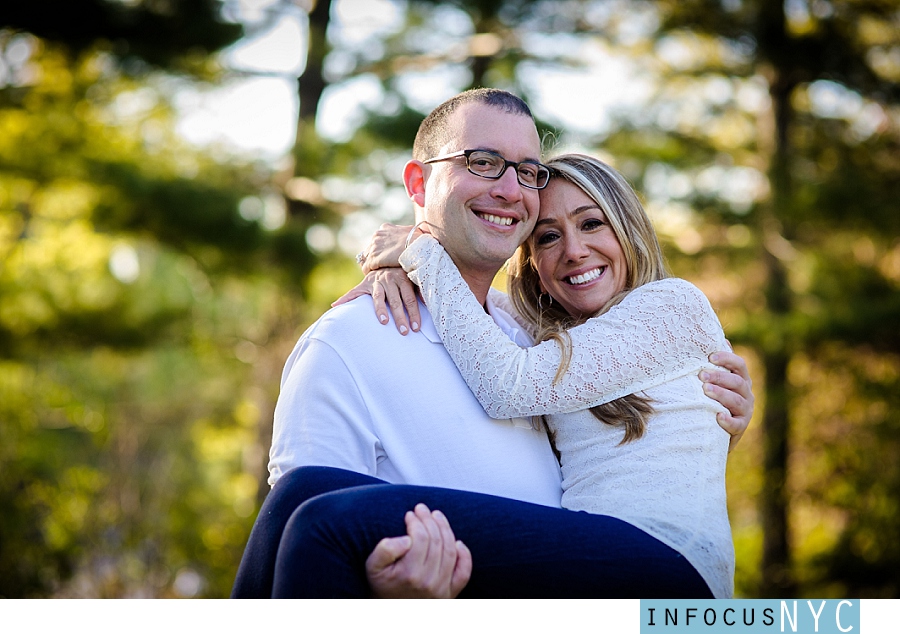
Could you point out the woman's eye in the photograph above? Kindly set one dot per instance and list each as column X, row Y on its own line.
column 592, row 224
column 546, row 238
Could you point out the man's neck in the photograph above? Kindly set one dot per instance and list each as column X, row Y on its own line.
column 479, row 283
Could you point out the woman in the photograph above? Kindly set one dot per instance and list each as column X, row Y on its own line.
column 615, row 372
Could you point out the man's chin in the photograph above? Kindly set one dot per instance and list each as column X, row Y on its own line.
column 499, row 254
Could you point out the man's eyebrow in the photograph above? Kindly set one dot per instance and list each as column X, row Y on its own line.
column 499, row 153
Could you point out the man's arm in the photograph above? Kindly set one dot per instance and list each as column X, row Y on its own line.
column 320, row 417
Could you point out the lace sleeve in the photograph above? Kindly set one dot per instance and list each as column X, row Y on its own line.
column 655, row 334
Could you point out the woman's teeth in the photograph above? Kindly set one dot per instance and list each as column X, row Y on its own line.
column 586, row 277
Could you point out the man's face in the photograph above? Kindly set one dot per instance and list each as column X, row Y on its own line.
column 480, row 221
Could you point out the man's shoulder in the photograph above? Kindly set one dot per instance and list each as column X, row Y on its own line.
column 345, row 316
column 355, row 323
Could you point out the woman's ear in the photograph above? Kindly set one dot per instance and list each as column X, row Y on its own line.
column 414, row 181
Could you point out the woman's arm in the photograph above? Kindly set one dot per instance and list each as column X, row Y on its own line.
column 384, row 280
column 655, row 334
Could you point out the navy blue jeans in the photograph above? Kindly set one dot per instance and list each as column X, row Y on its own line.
column 318, row 526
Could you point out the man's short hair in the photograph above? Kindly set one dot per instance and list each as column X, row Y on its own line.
column 434, row 132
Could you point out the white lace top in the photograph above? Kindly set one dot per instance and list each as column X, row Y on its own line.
column 671, row 482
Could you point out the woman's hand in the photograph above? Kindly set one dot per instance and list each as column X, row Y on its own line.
column 389, row 288
column 733, row 389
column 386, row 245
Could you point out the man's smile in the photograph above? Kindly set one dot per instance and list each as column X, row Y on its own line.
column 503, row 221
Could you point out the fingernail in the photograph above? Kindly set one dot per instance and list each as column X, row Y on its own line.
column 415, row 326
column 707, row 388
column 382, row 319
column 704, row 376
column 403, row 330
column 438, row 515
column 714, row 357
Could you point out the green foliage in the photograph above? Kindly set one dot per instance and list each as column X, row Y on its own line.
column 165, row 34
column 142, row 327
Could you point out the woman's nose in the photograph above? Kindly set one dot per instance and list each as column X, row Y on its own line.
column 575, row 248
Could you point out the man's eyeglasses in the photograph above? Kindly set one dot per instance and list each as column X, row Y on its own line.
column 491, row 165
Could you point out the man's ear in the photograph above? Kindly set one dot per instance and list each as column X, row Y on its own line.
column 414, row 180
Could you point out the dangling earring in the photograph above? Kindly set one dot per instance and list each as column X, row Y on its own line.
column 541, row 302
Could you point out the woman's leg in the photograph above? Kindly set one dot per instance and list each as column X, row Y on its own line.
column 518, row 549
column 257, row 569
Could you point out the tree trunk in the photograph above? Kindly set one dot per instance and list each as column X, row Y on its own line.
column 777, row 578
column 311, row 83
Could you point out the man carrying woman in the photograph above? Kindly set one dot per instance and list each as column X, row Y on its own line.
column 368, row 413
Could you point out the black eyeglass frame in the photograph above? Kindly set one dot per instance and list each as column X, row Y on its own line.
column 506, row 165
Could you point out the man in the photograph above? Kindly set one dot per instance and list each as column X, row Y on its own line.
column 386, row 408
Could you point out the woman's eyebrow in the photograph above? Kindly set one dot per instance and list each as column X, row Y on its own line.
column 584, row 208
column 574, row 212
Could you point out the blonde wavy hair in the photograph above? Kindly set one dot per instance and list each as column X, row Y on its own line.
column 643, row 257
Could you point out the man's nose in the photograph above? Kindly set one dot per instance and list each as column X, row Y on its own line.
column 507, row 186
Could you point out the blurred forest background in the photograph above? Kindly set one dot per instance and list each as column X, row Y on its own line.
column 150, row 289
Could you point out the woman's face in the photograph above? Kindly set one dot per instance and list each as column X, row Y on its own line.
column 578, row 257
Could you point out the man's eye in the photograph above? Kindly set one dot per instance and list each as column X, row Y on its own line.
column 528, row 172
column 482, row 162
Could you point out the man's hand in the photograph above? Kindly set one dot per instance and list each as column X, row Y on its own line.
column 427, row 563
column 734, row 390
column 389, row 288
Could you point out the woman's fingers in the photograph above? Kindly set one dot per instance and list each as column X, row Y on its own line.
column 400, row 298
column 392, row 294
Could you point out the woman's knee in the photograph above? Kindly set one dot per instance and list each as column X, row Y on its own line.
column 356, row 519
